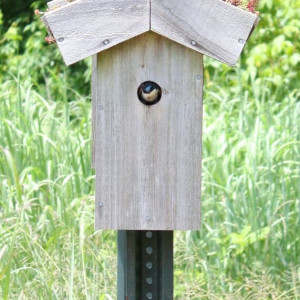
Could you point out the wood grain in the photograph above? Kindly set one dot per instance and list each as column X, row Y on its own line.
column 85, row 27
column 94, row 104
column 212, row 27
column 148, row 158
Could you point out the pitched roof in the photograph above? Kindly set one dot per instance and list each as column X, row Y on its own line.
column 212, row 27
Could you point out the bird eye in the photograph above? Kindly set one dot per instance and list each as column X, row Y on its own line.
column 149, row 93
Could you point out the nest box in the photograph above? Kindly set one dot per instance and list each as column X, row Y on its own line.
column 147, row 99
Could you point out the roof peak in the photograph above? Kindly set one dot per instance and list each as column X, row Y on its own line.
column 212, row 27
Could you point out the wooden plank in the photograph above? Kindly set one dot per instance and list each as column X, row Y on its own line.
column 57, row 3
column 212, row 27
column 94, row 105
column 148, row 159
column 85, row 27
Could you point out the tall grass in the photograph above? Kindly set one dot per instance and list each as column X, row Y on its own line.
column 249, row 244
column 48, row 248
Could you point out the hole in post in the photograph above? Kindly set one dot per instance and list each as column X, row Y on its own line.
column 149, row 296
column 149, row 280
column 149, row 265
column 149, row 93
column 149, row 250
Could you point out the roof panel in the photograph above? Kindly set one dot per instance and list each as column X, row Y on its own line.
column 212, row 27
column 85, row 27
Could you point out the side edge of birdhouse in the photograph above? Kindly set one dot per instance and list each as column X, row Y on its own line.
column 94, row 105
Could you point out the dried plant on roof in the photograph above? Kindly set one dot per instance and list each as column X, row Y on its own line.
column 250, row 5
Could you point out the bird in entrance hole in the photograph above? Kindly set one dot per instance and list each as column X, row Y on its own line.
column 149, row 93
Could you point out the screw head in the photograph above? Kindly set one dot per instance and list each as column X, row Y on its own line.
column 61, row 39
column 194, row 43
column 241, row 41
column 106, row 42
column 100, row 204
column 149, row 296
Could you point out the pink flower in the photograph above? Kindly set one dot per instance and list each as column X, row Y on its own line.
column 251, row 6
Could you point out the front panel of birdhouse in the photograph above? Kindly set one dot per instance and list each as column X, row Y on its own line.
column 148, row 157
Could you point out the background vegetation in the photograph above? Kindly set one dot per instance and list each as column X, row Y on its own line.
column 249, row 244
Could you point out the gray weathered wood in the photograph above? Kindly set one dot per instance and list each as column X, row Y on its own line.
column 57, row 3
column 212, row 27
column 53, row 5
column 85, row 27
column 148, row 158
column 94, row 105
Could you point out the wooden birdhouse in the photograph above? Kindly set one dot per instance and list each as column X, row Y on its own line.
column 147, row 99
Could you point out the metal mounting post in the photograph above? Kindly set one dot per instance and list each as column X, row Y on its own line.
column 145, row 265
